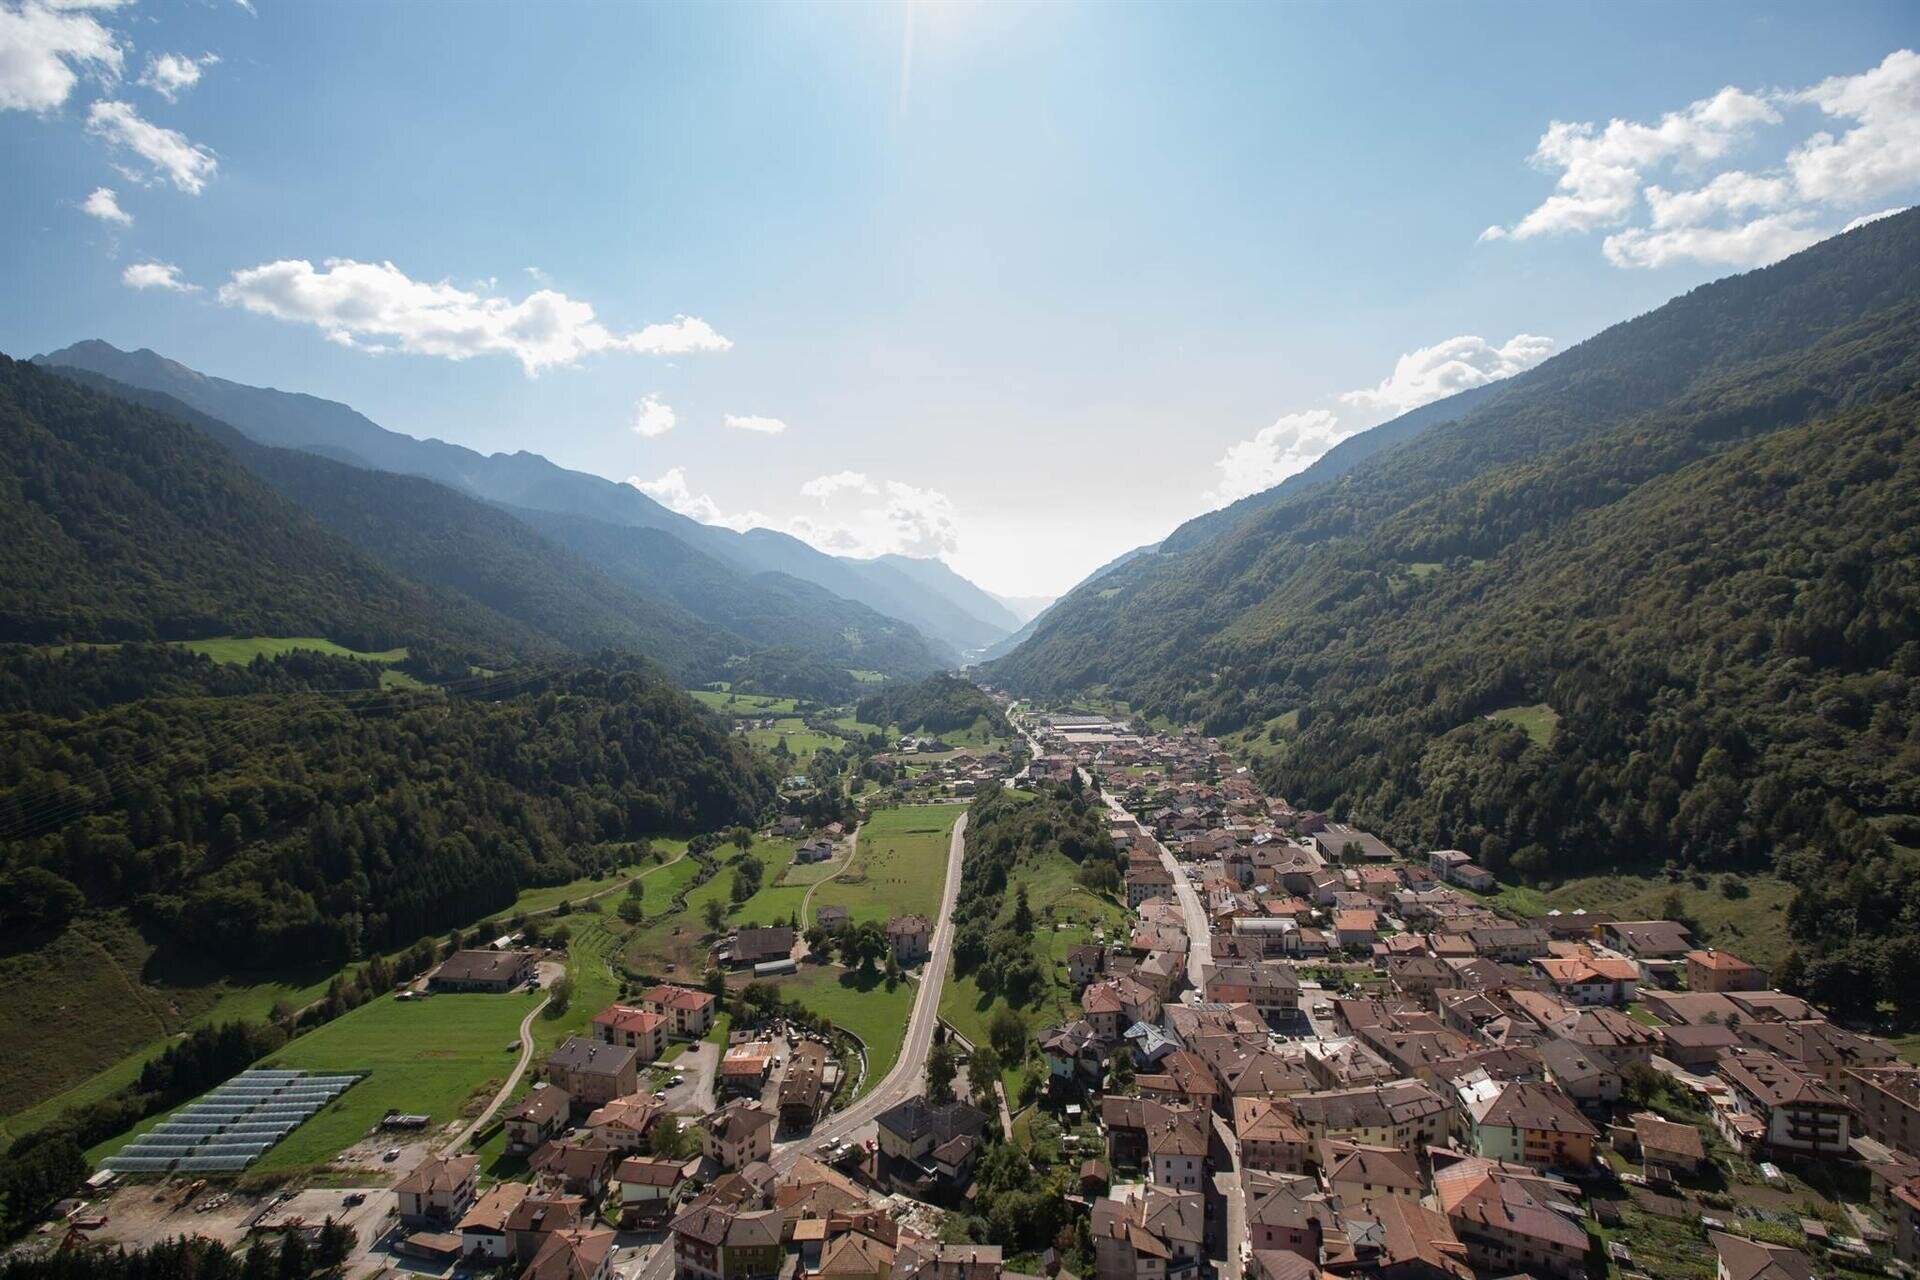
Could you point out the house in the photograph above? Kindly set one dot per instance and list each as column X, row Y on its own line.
column 1512, row 1220
column 737, row 1134
column 744, row 1068
column 625, row 1123
column 593, row 1074
column 541, row 1115
column 1648, row 939
column 1523, row 1123
column 1588, row 1080
column 1355, row 929
column 1075, row 1053
column 1471, row 875
column 1443, row 861
column 1393, row 1238
column 813, row 851
column 1713, row 970
column 756, row 946
column 1819, row 1048
column 1273, row 989
column 789, row 824
column 1798, row 1112
column 1288, row 1215
column 1151, row 1234
column 1608, row 1035
column 1660, row 1144
column 1905, row 1212
column 577, row 1254
column 1084, row 964
column 1886, row 1105
column 637, row 1028
column 1271, row 1137
column 1509, row 943
column 910, row 1131
column 689, row 1013
column 1339, row 843
column 1402, row 1113
column 539, row 1215
column 1357, row 1171
column 715, row 1243
column 911, row 938
column 803, row 1090
column 1182, row 1077
column 1145, row 882
column 1738, row 1258
column 1590, row 979
column 577, row 1167
column 831, row 918
column 646, row 1188
column 483, row 1230
column 438, row 1190
column 493, row 971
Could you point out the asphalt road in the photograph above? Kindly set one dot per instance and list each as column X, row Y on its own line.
column 903, row 1082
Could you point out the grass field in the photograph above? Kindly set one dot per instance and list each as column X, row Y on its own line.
column 901, row 865
column 1753, row 927
column 866, row 1008
column 576, row 892
column 801, row 741
column 867, row 677
column 1539, row 721
column 241, row 650
column 853, row 724
column 419, row 1056
column 744, row 704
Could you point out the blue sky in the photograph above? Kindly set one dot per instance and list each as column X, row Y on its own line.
column 1025, row 285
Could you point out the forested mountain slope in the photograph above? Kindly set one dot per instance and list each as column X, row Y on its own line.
column 526, row 480
column 119, row 522
column 768, row 608
column 1693, row 540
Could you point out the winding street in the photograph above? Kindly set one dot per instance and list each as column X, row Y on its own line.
column 506, row 1090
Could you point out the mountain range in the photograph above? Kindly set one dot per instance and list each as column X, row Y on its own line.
column 893, row 614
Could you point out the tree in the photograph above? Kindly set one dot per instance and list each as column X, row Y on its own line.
column 1007, row 1032
column 560, row 995
column 1120, row 1071
column 741, row 838
column 983, row 1072
column 669, row 1140
column 715, row 914
column 632, row 910
column 1022, row 913
column 941, row 1069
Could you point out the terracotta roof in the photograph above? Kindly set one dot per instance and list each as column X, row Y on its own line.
column 438, row 1174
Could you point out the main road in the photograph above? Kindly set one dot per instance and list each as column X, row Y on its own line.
column 901, row 1083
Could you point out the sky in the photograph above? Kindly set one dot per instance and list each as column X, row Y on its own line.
column 1022, row 286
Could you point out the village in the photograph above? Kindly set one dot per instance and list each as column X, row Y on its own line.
column 1306, row 1054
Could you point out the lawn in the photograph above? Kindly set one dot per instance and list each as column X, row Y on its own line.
column 677, row 938
column 419, row 1056
column 1539, row 721
column 1753, row 927
column 867, row 677
column 743, row 704
column 595, row 940
column 801, row 741
column 863, row 1006
column 576, row 892
column 901, row 865
column 241, row 650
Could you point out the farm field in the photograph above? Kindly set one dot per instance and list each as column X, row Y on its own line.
column 419, row 1056
column 743, row 704
column 1539, row 720
column 244, row 649
column 547, row 897
column 901, row 865
column 801, row 741
column 863, row 1006
column 1754, row 927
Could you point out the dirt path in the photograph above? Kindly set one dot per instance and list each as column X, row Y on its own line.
column 806, row 899
column 506, row 1090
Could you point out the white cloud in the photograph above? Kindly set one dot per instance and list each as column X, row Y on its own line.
column 1601, row 169
column 652, row 418
column 45, row 48
column 751, row 422
column 1865, row 218
column 156, row 275
column 1881, row 153
column 1291, row 444
column 104, row 205
column 187, row 165
column 1295, row 441
column 1739, row 217
column 1457, row 364
column 902, row 520
column 824, row 487
column 1749, row 244
column 361, row 303
column 172, row 74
